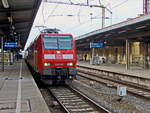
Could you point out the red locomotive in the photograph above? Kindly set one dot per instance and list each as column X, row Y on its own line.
column 53, row 57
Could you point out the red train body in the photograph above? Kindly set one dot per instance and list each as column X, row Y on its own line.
column 53, row 57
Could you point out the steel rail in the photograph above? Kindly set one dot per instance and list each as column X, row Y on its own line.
column 74, row 101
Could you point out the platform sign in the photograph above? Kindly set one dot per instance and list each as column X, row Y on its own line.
column 96, row 45
column 10, row 44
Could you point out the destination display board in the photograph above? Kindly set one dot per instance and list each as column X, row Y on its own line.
column 57, row 36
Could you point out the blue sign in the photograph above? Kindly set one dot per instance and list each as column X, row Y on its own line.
column 10, row 44
column 96, row 45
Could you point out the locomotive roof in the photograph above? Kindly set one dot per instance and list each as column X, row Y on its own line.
column 49, row 34
column 54, row 34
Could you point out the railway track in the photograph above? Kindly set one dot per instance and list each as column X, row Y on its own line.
column 74, row 102
column 133, row 88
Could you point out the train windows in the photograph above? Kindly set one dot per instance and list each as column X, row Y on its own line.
column 57, row 42
column 50, row 43
column 65, row 43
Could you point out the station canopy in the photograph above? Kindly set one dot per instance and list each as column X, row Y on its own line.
column 134, row 29
column 16, row 19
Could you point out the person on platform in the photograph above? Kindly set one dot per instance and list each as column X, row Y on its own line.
column 85, row 57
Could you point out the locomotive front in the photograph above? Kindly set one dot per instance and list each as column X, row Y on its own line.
column 59, row 57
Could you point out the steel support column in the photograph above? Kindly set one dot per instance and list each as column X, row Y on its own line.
column 2, row 53
column 93, row 52
column 145, row 61
column 127, row 54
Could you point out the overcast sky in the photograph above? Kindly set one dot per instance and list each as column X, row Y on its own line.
column 79, row 20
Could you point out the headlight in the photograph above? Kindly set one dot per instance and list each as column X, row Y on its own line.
column 47, row 64
column 70, row 64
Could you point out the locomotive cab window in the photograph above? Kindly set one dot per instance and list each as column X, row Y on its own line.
column 57, row 41
column 50, row 43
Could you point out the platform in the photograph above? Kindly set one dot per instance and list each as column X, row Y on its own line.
column 18, row 91
column 119, row 68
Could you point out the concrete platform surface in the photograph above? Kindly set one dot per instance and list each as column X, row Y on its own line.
column 18, row 91
column 119, row 68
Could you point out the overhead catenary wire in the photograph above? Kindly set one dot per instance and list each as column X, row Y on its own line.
column 79, row 12
column 78, row 4
column 66, row 4
column 72, row 28
column 98, row 15
column 75, row 4
column 44, row 20
column 120, row 4
column 52, row 12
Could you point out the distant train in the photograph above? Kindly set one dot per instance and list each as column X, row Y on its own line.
column 53, row 57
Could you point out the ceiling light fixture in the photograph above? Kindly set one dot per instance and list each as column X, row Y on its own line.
column 5, row 3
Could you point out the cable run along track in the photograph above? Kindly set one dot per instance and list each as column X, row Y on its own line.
column 74, row 102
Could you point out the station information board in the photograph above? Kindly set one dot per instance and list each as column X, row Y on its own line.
column 96, row 45
column 10, row 44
